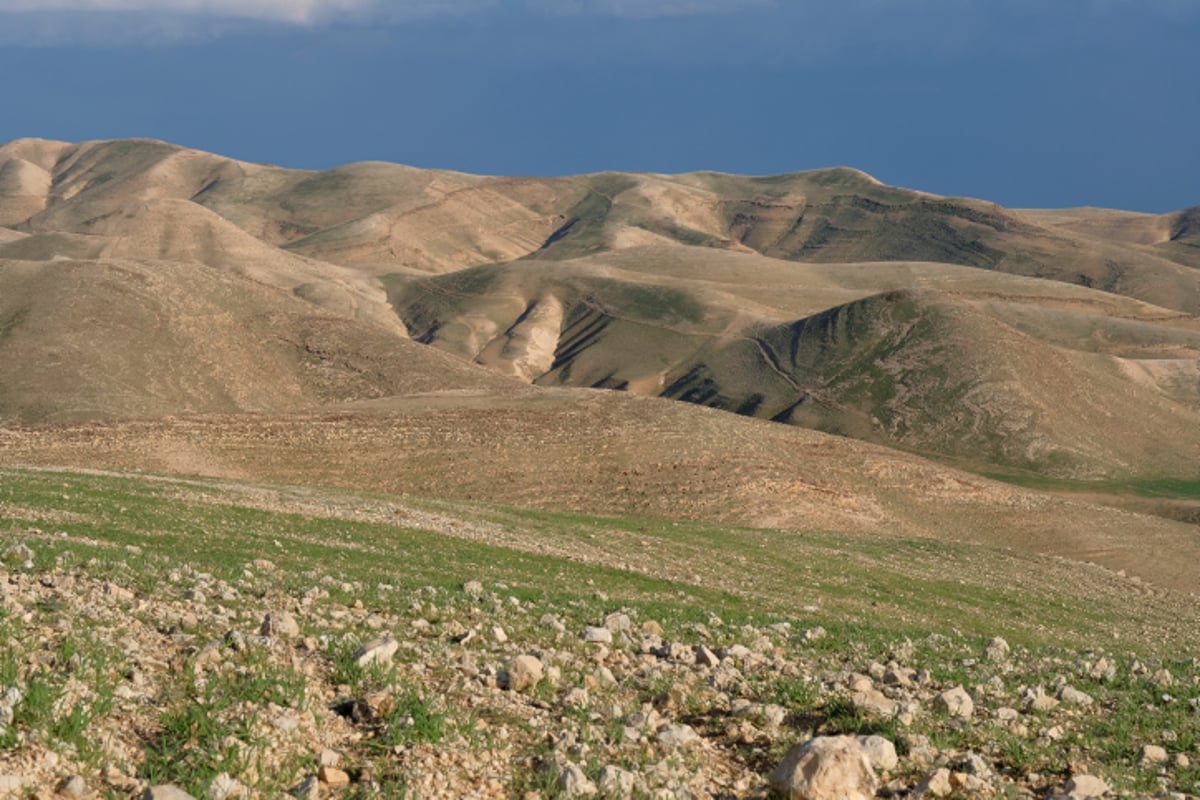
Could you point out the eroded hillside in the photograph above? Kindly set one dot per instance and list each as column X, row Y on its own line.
column 139, row 279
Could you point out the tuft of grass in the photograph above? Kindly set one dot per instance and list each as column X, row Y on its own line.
column 212, row 723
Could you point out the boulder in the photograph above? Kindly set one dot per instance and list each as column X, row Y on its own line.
column 955, row 702
column 572, row 782
column 279, row 623
column 997, row 650
column 1072, row 696
column 168, row 791
column 1151, row 754
column 524, row 672
column 376, row 651
column 880, row 751
column 1086, row 787
column 825, row 768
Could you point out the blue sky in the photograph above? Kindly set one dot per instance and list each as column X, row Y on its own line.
column 1024, row 102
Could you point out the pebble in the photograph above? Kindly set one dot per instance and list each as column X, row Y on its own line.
column 332, row 776
column 677, row 735
column 597, row 635
column 524, row 672
column 279, row 623
column 167, row 791
column 376, row 651
column 73, row 786
column 955, row 702
column 1086, row 787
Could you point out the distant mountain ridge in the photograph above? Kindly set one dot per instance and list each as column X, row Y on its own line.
column 141, row 279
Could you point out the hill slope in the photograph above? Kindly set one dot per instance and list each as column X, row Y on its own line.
column 613, row 453
column 119, row 338
column 949, row 361
column 140, row 279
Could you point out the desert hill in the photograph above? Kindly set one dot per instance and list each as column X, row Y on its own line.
column 122, row 338
column 615, row 454
column 143, row 281
column 949, row 361
column 374, row 214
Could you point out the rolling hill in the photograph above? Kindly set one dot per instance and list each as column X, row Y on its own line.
column 388, row 328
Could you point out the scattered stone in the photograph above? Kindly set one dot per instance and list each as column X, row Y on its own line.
column 955, row 702
column 597, row 635
column 617, row 622
column 572, row 782
column 677, row 735
column 577, row 697
column 1072, row 696
column 603, row 676
column 773, row 716
column 332, row 776
column 17, row 553
column 997, row 650
column 880, row 751
column 168, row 791
column 810, row 635
column 224, row 787
column 936, row 785
column 825, row 768
column 329, row 758
column 705, row 657
column 307, row 789
column 875, row 702
column 617, row 782
column 969, row 785
column 1103, row 670
column 376, row 651
column 286, row 723
column 279, row 623
column 1151, row 754
column 118, row 593
column 524, row 672
column 473, row 589
column 1006, row 714
column 1086, row 787
column 73, row 786
column 1036, row 699
column 499, row 635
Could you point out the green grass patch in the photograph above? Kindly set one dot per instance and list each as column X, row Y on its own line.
column 1166, row 488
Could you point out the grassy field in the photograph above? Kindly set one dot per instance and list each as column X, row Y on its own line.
column 896, row 585
column 179, row 546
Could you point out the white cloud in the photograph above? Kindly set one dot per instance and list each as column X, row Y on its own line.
column 646, row 8
column 306, row 12
column 292, row 11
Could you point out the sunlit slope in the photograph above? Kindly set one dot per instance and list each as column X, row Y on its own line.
column 1062, row 342
column 974, row 369
column 118, row 338
column 385, row 217
column 614, row 453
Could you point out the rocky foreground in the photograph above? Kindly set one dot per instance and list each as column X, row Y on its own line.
column 174, row 683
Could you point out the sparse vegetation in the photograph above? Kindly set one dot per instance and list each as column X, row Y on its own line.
column 196, row 696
